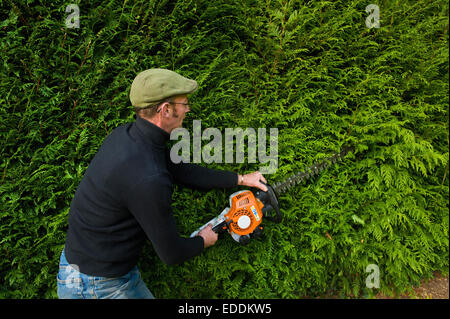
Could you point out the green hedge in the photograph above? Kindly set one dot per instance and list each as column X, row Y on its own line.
column 312, row 69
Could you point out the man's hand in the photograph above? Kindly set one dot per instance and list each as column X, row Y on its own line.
column 253, row 180
column 208, row 235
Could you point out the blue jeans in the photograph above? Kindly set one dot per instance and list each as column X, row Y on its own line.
column 73, row 284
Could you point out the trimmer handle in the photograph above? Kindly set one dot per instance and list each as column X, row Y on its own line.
column 270, row 201
column 220, row 228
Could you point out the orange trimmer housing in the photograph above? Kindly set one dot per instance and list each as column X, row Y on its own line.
column 244, row 204
column 242, row 219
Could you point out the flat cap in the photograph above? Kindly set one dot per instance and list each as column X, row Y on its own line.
column 154, row 85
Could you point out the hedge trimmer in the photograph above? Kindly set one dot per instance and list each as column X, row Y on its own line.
column 247, row 208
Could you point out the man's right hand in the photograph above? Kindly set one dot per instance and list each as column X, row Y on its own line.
column 209, row 236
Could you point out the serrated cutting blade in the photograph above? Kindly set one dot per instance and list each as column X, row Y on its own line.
column 308, row 173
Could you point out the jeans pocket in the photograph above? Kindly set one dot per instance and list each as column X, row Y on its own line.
column 112, row 288
column 69, row 282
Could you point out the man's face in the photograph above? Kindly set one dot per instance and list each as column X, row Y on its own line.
column 179, row 108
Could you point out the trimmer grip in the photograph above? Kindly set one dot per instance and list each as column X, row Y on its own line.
column 274, row 203
column 220, row 228
column 217, row 224
column 270, row 201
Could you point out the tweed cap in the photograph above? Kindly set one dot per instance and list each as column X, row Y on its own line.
column 154, row 85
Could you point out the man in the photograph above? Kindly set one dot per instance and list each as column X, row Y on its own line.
column 124, row 197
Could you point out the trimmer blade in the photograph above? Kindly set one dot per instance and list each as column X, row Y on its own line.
column 313, row 170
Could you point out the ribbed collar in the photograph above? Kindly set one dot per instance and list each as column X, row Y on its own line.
column 151, row 133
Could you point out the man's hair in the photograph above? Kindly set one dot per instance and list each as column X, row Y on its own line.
column 150, row 110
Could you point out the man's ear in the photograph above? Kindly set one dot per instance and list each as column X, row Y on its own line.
column 165, row 109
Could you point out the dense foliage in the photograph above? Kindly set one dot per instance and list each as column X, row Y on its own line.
column 312, row 69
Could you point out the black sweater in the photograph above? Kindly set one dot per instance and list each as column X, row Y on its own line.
column 125, row 197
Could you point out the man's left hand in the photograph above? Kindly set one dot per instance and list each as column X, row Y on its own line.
column 253, row 180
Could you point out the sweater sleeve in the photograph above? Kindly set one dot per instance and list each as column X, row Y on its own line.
column 150, row 203
column 194, row 175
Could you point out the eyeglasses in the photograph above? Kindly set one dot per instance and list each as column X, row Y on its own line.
column 186, row 104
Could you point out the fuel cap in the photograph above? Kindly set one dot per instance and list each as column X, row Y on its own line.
column 244, row 221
